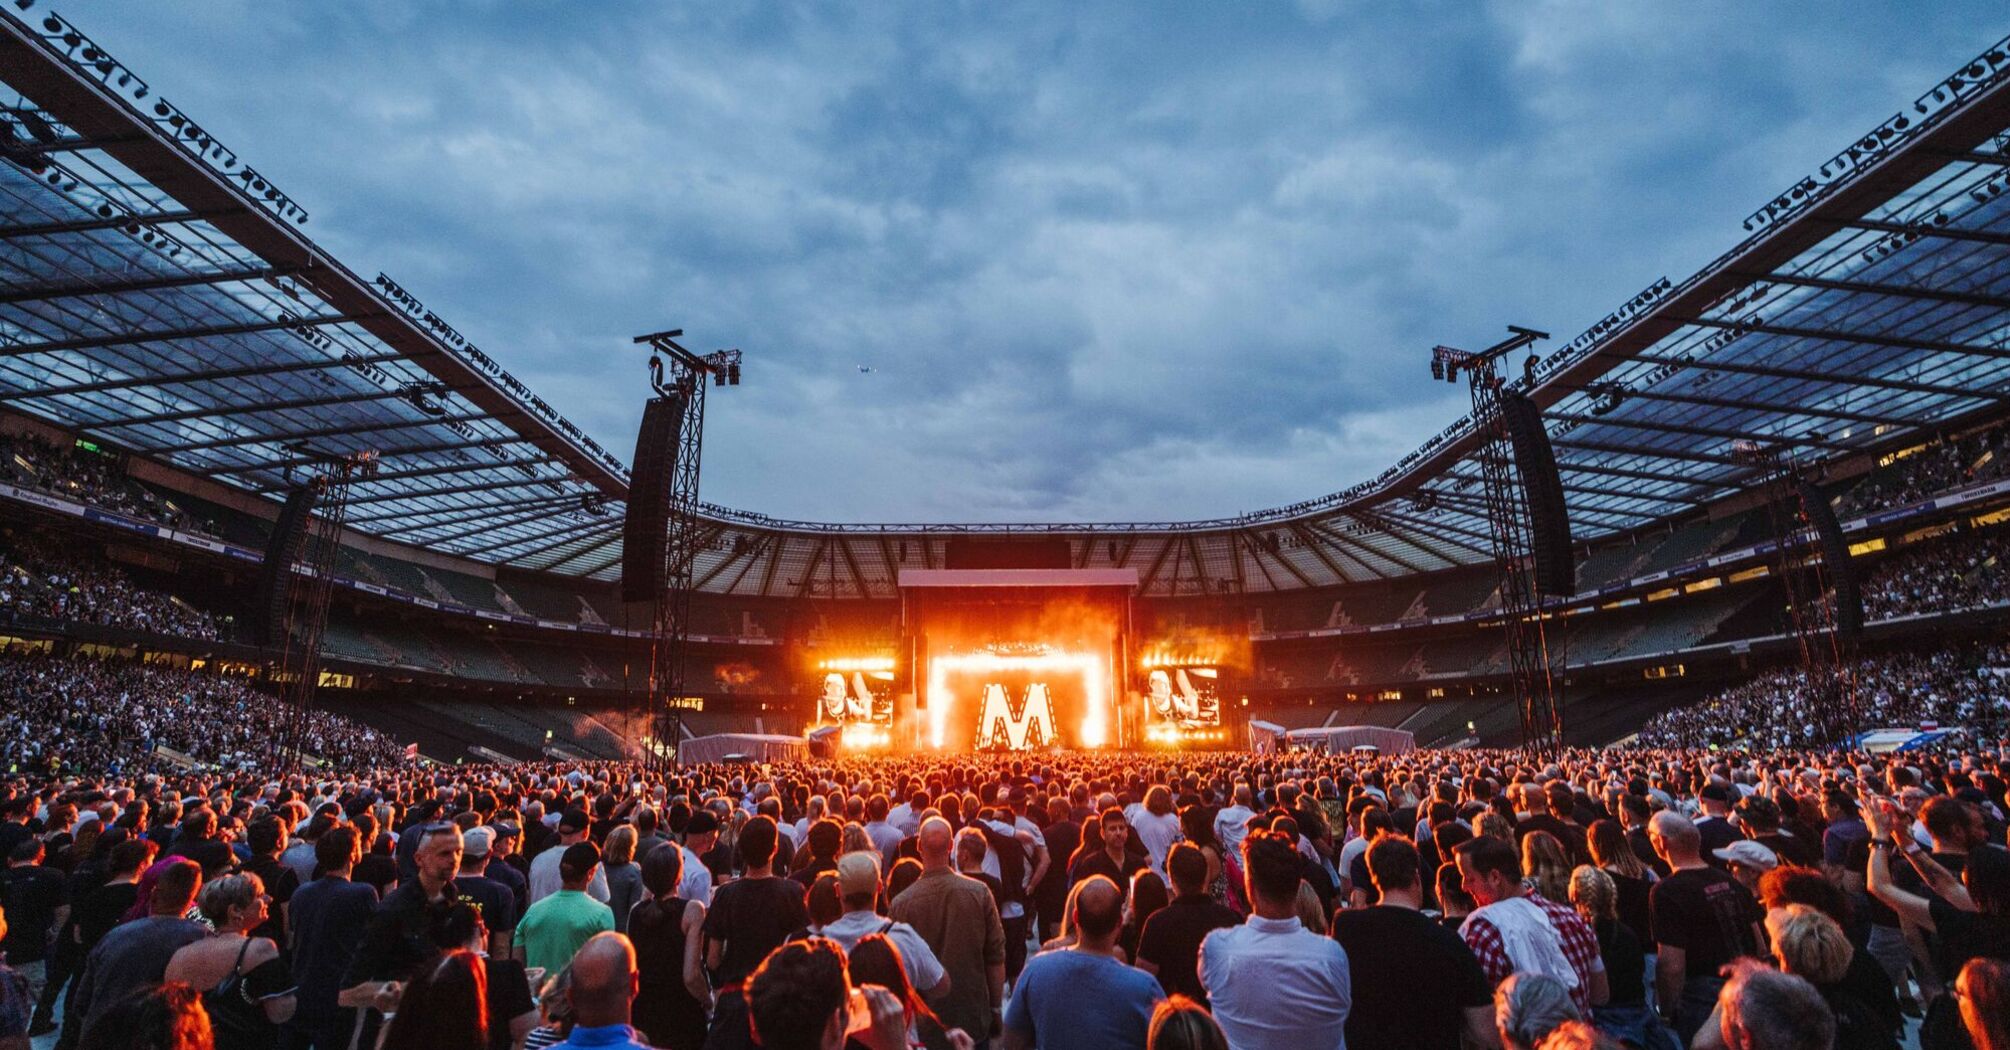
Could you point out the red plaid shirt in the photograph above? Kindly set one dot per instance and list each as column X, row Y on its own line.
column 1580, row 947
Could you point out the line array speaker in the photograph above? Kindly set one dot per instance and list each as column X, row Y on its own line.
column 646, row 530
column 275, row 575
column 1835, row 559
column 1549, row 517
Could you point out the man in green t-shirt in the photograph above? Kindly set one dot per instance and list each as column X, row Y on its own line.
column 555, row 927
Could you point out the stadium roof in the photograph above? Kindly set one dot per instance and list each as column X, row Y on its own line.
column 158, row 294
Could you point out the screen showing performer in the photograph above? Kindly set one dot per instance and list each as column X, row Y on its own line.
column 1188, row 697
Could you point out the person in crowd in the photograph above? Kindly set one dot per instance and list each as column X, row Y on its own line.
column 554, row 1012
column 507, row 990
column 472, row 883
column 557, row 925
column 443, row 1007
column 1454, row 903
column 1393, row 950
column 1111, row 855
column 166, row 1016
column 1083, row 997
column 859, row 888
column 34, row 895
column 1809, row 945
column 1632, row 879
column 1968, row 917
column 667, row 931
column 958, row 920
column 1983, row 989
column 398, row 940
column 1158, row 827
column 265, row 838
column 1516, row 931
column 17, row 1007
column 1702, row 919
column 1063, row 835
column 602, row 995
column 1180, row 1023
column 972, row 850
column 623, row 875
column 1147, row 897
column 1271, row 982
column 136, row 954
column 801, row 999
column 701, row 834
column 875, row 960
column 1748, row 862
column 545, row 876
column 1760, row 1008
column 246, row 985
column 1545, row 865
column 1529, row 1007
column 752, row 914
column 328, row 917
column 1625, row 1014
column 1760, row 819
column 1168, row 946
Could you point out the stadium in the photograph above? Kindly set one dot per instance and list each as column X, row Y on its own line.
column 262, row 514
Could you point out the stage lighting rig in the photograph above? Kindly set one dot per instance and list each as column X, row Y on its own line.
column 677, row 372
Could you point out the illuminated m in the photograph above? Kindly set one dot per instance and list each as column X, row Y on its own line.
column 1032, row 726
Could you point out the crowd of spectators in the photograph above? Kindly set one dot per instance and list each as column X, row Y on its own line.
column 84, row 475
column 1102, row 901
column 71, row 715
column 44, row 578
column 1934, row 469
column 1959, row 572
column 1785, row 707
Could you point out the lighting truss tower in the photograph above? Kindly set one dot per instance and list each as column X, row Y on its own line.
column 1811, row 600
column 1536, row 677
column 677, row 372
column 308, row 595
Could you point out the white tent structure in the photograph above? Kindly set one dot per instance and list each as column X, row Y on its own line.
column 757, row 747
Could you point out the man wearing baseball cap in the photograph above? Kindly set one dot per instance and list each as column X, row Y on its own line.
column 1749, row 862
column 555, row 926
column 860, row 885
column 473, row 885
column 544, row 868
column 701, row 833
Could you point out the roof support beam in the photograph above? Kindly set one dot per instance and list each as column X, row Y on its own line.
column 725, row 563
column 851, row 564
column 1773, row 408
column 445, row 468
column 1317, row 546
column 232, row 410
column 1166, row 546
column 612, row 537
column 1433, row 527
column 563, row 529
column 487, row 486
column 170, row 335
column 152, row 283
column 586, row 540
column 1950, row 233
column 1902, row 291
column 804, row 585
column 303, row 435
column 55, row 229
column 484, row 523
column 456, row 515
column 1593, row 490
column 1331, row 533
column 1615, row 420
column 1643, row 475
column 205, row 376
column 1778, row 372
column 1651, row 453
column 1896, row 342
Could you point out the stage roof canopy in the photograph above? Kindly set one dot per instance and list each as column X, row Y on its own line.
column 159, row 295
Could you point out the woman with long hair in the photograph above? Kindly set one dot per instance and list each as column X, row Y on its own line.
column 672, row 996
column 1196, row 825
column 1492, row 823
column 247, row 988
column 511, row 1012
column 1545, row 865
column 444, row 1007
column 1148, row 895
column 875, row 959
column 1632, row 879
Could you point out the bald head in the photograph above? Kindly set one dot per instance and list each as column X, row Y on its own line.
column 1674, row 837
column 603, row 980
column 1099, row 911
column 935, row 841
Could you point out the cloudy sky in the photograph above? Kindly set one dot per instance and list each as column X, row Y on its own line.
column 1104, row 262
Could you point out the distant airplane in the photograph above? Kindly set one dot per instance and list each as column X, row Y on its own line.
column 866, row 369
